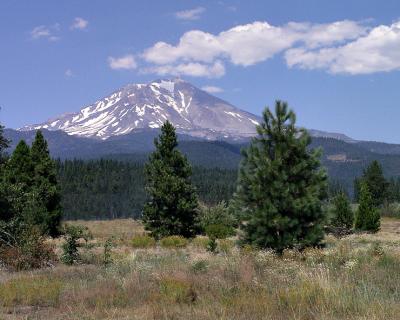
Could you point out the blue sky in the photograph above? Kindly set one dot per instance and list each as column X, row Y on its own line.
column 336, row 62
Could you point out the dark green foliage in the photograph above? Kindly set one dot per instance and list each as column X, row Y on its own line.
column 376, row 182
column 72, row 235
column 342, row 214
column 172, row 207
column 4, row 145
column 281, row 185
column 367, row 216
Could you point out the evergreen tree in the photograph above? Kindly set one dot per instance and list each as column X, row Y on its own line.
column 44, row 202
column 172, row 206
column 343, row 216
column 367, row 216
column 20, row 167
column 281, row 185
column 376, row 182
column 4, row 144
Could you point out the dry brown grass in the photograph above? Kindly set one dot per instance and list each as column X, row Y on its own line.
column 357, row 277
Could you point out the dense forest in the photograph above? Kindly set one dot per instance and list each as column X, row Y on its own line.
column 106, row 189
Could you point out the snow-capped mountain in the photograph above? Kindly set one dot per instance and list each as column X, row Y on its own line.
column 139, row 106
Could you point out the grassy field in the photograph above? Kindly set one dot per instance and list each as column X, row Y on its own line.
column 357, row 277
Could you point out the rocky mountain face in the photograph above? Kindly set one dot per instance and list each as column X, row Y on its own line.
column 142, row 106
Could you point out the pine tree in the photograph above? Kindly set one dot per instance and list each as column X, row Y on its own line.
column 20, row 167
column 367, row 216
column 172, row 206
column 343, row 216
column 44, row 203
column 281, row 185
column 4, row 144
column 376, row 182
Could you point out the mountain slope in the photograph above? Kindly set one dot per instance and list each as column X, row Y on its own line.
column 141, row 106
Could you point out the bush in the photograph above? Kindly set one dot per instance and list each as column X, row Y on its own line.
column 174, row 242
column 200, row 242
column 72, row 236
column 218, row 215
column 29, row 252
column 214, row 232
column 177, row 290
column 200, row 266
column 143, row 241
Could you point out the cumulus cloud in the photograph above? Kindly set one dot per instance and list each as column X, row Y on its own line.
column 126, row 62
column 376, row 51
column 212, row 89
column 45, row 32
column 339, row 47
column 79, row 24
column 192, row 14
column 193, row 69
column 251, row 43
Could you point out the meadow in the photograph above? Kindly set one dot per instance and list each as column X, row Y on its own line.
column 355, row 277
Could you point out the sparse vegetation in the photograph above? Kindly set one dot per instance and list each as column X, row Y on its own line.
column 355, row 277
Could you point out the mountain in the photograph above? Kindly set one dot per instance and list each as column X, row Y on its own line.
column 147, row 106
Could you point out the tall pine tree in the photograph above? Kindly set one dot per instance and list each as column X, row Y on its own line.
column 44, row 203
column 281, row 185
column 367, row 216
column 172, row 206
column 343, row 216
column 376, row 182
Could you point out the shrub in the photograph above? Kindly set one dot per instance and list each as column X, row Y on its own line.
column 72, row 236
column 107, row 258
column 200, row 242
column 177, row 290
column 214, row 232
column 174, row 242
column 143, row 241
column 226, row 245
column 218, row 215
column 200, row 266
column 29, row 252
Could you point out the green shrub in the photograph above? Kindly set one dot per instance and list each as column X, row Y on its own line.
column 143, row 241
column 177, row 290
column 200, row 266
column 214, row 232
column 200, row 242
column 174, row 242
column 218, row 215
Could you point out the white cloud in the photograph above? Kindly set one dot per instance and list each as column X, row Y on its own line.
column 79, row 24
column 339, row 47
column 192, row 14
column 251, row 43
column 377, row 51
column 45, row 32
column 68, row 73
column 126, row 62
column 193, row 69
column 212, row 89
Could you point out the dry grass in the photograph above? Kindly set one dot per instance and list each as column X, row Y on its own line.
column 357, row 277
